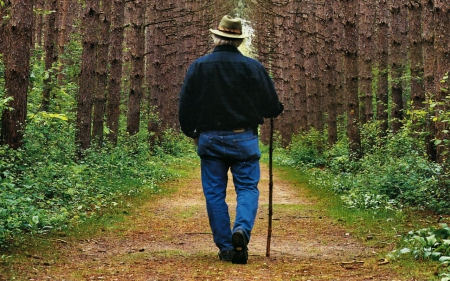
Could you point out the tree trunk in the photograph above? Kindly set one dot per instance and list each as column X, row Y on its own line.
column 66, row 14
column 429, row 66
column 38, row 22
column 136, row 44
column 416, row 56
column 351, row 73
column 330, row 59
column 299, row 115
column 442, row 51
column 51, row 54
column 397, row 57
column 102, row 72
column 18, row 40
column 382, row 21
column 365, row 55
column 115, row 76
column 311, row 67
column 87, row 76
column 338, row 33
column 3, row 14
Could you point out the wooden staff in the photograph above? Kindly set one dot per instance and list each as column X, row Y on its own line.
column 269, row 228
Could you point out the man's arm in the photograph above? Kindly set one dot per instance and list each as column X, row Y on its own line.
column 188, row 105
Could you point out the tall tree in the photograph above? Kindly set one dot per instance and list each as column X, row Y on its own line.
column 382, row 57
column 68, row 11
column 51, row 52
column 18, row 40
column 429, row 66
column 428, row 36
column 442, row 83
column 87, row 75
column 38, row 22
column 295, row 51
column 330, row 71
column 3, row 13
column 397, row 57
column 416, row 56
column 102, row 72
column 366, row 49
column 350, row 50
column 115, row 75
column 136, row 44
column 315, row 118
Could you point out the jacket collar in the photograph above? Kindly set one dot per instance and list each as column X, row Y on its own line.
column 226, row 48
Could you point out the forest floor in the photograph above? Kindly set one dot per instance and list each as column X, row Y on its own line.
column 168, row 238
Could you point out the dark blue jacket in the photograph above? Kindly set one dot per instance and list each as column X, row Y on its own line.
column 226, row 90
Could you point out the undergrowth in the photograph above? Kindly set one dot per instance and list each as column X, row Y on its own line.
column 393, row 174
column 44, row 187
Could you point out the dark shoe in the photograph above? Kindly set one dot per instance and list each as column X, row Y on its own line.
column 240, row 242
column 226, row 255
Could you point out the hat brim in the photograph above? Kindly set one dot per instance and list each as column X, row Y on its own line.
column 229, row 35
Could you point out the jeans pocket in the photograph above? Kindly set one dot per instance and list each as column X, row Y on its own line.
column 248, row 148
column 202, row 147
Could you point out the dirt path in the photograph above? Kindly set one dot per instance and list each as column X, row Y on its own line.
column 169, row 239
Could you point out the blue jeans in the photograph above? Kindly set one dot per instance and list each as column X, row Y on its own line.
column 239, row 152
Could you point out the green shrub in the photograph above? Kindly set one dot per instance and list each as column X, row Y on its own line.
column 174, row 143
column 44, row 187
column 393, row 172
column 307, row 148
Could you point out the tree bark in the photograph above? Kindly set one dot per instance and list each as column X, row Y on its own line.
column 442, row 51
column 3, row 13
column 87, row 76
column 136, row 44
column 429, row 66
column 331, row 74
column 102, row 72
column 397, row 57
column 416, row 56
column 383, row 16
column 38, row 22
column 115, row 76
column 51, row 54
column 315, row 119
column 66, row 14
column 18, row 40
column 365, row 56
column 351, row 73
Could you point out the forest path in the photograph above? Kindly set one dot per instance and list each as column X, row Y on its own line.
column 169, row 239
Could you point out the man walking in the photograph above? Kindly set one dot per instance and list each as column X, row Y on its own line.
column 224, row 97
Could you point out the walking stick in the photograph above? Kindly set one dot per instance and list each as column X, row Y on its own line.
column 269, row 228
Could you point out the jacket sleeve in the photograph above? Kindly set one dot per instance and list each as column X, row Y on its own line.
column 270, row 106
column 188, row 105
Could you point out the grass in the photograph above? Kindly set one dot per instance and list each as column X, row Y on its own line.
column 381, row 230
column 116, row 220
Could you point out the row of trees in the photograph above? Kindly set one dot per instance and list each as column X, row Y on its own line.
column 364, row 59
column 134, row 57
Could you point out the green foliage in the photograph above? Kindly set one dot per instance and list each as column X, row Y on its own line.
column 43, row 187
column 62, row 93
column 393, row 172
column 174, row 144
column 307, row 148
column 428, row 244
